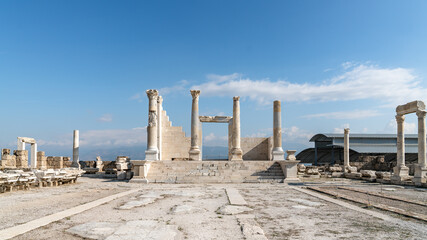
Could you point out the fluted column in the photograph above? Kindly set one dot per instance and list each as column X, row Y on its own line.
column 76, row 147
column 195, row 122
column 400, row 170
column 278, row 153
column 152, row 152
column 420, row 174
column 236, row 151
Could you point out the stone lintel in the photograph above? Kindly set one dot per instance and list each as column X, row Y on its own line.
column 217, row 119
column 27, row 139
column 410, row 107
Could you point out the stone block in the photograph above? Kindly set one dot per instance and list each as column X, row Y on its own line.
column 368, row 173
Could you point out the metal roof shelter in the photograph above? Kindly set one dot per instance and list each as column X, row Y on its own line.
column 362, row 143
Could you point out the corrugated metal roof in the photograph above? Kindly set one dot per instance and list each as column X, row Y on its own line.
column 330, row 136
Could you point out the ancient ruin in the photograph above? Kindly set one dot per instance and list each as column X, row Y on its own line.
column 168, row 161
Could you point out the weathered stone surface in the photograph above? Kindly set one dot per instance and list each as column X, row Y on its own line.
column 233, row 210
column 142, row 229
column 368, row 173
column 306, row 202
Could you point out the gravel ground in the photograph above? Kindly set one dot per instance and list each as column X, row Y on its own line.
column 185, row 211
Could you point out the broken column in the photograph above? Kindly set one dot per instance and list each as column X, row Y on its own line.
column 76, row 145
column 236, row 151
column 152, row 152
column 195, row 123
column 21, row 158
column 41, row 160
column 123, row 166
column 420, row 174
column 400, row 172
column 346, row 149
column 7, row 160
column 278, row 153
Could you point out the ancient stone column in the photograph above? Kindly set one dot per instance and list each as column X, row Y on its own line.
column 278, row 153
column 33, row 155
column 160, row 127
column 420, row 174
column 195, row 122
column 236, row 151
column 76, row 146
column 400, row 170
column 346, row 148
column 152, row 152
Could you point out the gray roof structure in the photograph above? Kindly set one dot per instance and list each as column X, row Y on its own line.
column 367, row 143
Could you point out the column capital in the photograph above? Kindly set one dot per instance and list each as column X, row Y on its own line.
column 152, row 94
column 421, row 114
column 236, row 98
column 195, row 93
column 400, row 118
column 346, row 130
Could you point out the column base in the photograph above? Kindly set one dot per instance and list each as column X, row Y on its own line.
column 140, row 170
column 236, row 154
column 278, row 155
column 151, row 155
column 400, row 173
column 420, row 175
column 75, row 165
column 290, row 170
column 194, row 154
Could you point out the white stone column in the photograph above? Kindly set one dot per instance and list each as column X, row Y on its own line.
column 236, row 152
column 420, row 174
column 400, row 171
column 159, row 124
column 278, row 153
column 33, row 155
column 152, row 152
column 346, row 148
column 21, row 145
column 195, row 130
column 76, row 147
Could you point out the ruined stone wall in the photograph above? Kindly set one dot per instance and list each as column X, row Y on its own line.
column 21, row 158
column 255, row 149
column 7, row 160
column 175, row 145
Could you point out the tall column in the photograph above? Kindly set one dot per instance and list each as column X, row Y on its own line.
column 236, row 152
column 278, row 153
column 400, row 171
column 152, row 152
column 34, row 155
column 195, row 122
column 420, row 174
column 76, row 146
column 346, row 148
column 160, row 127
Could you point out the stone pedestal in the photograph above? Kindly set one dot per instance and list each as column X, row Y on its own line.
column 277, row 153
column 41, row 160
column 194, row 153
column 290, row 169
column 76, row 146
column 236, row 151
column 152, row 151
column 140, row 170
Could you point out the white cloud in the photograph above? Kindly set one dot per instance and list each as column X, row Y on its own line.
column 105, row 138
column 356, row 114
column 295, row 134
column 358, row 82
column 409, row 127
column 106, row 118
column 212, row 140
column 341, row 128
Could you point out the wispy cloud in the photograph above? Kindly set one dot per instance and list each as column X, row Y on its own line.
column 108, row 137
column 357, row 82
column 356, row 114
column 106, row 118
column 180, row 87
column 341, row 128
column 409, row 127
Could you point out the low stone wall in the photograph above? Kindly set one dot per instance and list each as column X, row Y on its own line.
column 211, row 171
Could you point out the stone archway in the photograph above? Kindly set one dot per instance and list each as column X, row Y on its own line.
column 401, row 171
column 21, row 146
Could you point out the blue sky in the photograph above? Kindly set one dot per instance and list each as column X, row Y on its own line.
column 85, row 65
